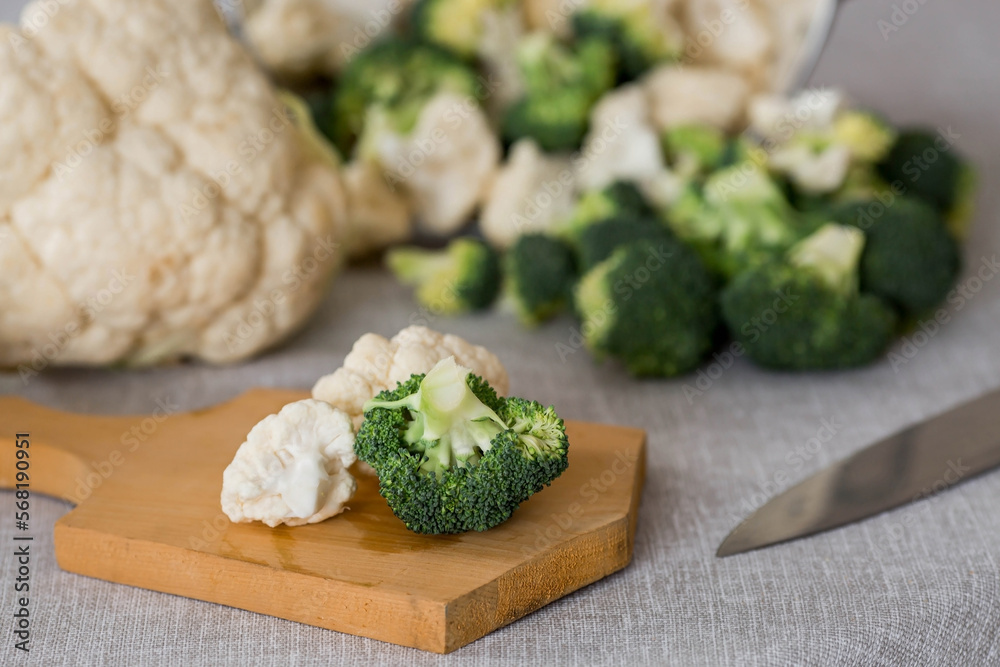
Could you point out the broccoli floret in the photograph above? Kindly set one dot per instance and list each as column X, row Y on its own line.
column 452, row 456
column 910, row 259
column 452, row 24
column 632, row 32
column 740, row 218
column 396, row 78
column 806, row 312
column 652, row 305
column 540, row 272
column 556, row 122
column 621, row 199
column 694, row 150
column 561, row 85
column 462, row 277
column 598, row 240
column 924, row 169
column 867, row 136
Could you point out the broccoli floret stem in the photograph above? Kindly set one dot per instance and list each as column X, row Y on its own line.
column 448, row 424
column 832, row 252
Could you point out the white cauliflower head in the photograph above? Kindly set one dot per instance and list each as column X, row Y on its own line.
column 621, row 143
column 156, row 199
column 375, row 364
column 532, row 192
column 292, row 469
column 692, row 95
column 444, row 164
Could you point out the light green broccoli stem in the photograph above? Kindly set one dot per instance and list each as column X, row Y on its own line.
column 415, row 266
column 449, row 425
column 832, row 252
column 594, row 303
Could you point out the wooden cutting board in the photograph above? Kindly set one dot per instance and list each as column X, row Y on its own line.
column 148, row 514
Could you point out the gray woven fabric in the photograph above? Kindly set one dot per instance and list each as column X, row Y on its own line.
column 917, row 586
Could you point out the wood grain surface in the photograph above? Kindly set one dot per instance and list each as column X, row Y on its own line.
column 147, row 491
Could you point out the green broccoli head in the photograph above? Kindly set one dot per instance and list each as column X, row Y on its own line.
column 463, row 277
column 396, row 78
column 540, row 272
column 806, row 312
column 652, row 305
column 452, row 456
column 925, row 165
column 561, row 85
column 455, row 25
column 910, row 258
column 631, row 32
column 598, row 240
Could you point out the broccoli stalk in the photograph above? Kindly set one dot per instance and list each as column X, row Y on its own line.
column 805, row 312
column 452, row 456
column 463, row 277
column 450, row 426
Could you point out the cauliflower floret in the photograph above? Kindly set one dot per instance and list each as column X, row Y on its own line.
column 814, row 171
column 299, row 37
column 292, row 469
column 444, row 164
column 621, row 143
column 155, row 193
column 530, row 193
column 376, row 364
column 692, row 95
column 776, row 116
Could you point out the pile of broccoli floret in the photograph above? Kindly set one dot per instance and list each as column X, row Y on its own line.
column 799, row 281
column 810, row 244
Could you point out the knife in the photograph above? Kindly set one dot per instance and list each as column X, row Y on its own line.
column 917, row 462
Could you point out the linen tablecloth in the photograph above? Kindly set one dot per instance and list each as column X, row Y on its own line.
column 920, row 585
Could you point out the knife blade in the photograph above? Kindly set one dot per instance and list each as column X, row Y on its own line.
column 914, row 463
